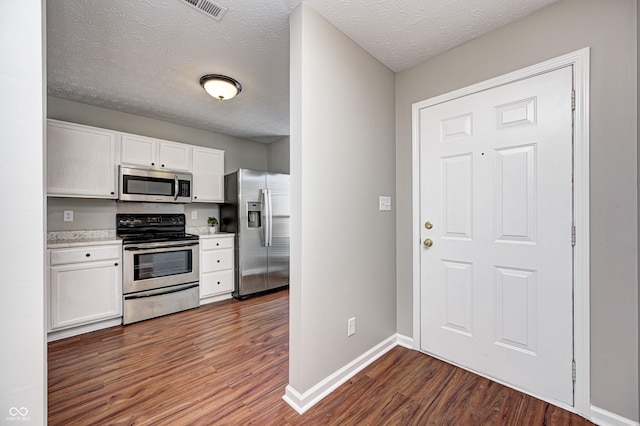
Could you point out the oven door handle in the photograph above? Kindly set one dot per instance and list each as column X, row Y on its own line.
column 132, row 248
column 160, row 291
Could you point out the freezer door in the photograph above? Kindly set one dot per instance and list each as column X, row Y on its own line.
column 278, row 261
column 252, row 254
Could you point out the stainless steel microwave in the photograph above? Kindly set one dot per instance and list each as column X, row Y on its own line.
column 154, row 185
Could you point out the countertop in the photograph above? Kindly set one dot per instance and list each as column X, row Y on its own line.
column 203, row 232
column 66, row 239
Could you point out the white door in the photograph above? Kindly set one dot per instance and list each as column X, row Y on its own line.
column 496, row 189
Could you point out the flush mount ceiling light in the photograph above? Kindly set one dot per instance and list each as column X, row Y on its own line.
column 220, row 86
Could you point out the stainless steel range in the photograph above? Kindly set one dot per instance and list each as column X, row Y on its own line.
column 160, row 265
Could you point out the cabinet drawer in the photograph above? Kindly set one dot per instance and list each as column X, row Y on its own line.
column 213, row 283
column 216, row 243
column 216, row 260
column 84, row 254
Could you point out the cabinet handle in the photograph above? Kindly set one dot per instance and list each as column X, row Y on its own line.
column 161, row 165
column 88, row 255
column 218, row 282
column 115, row 264
column 195, row 196
column 113, row 193
column 218, row 261
column 153, row 164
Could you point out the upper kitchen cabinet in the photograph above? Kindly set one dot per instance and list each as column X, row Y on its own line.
column 81, row 161
column 208, row 175
column 150, row 152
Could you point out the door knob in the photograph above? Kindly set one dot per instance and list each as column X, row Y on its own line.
column 428, row 225
column 428, row 242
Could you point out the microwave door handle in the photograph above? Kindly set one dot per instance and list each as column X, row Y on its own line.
column 176, row 187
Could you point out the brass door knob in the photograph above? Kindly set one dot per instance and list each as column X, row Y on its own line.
column 428, row 242
column 428, row 225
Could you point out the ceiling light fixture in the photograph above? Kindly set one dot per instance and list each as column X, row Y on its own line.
column 220, row 86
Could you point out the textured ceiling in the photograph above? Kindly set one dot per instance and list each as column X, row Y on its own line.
column 145, row 57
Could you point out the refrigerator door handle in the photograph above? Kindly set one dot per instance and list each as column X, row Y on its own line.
column 270, row 219
column 266, row 217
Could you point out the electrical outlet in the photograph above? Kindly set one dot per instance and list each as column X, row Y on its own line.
column 351, row 326
column 68, row 215
column 194, row 214
column 385, row 204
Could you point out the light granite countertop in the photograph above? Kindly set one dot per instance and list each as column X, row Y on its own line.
column 203, row 232
column 66, row 239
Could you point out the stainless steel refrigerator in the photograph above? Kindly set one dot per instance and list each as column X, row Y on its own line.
column 257, row 210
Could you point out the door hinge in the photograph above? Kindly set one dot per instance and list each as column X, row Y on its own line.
column 573, row 370
column 573, row 100
column 573, row 235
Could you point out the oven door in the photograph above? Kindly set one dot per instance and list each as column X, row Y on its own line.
column 148, row 266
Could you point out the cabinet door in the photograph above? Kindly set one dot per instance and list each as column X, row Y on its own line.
column 81, row 161
column 84, row 293
column 139, row 150
column 214, row 283
column 175, row 156
column 208, row 175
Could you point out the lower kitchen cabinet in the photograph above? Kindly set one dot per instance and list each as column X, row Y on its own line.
column 85, row 289
column 216, row 267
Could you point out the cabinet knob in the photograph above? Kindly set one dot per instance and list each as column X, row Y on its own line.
column 195, row 196
column 218, row 261
column 113, row 193
column 88, row 255
column 161, row 165
column 115, row 264
column 153, row 164
column 218, row 282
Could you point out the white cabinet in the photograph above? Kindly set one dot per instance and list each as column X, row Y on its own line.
column 150, row 152
column 81, row 161
column 85, row 285
column 216, row 267
column 208, row 175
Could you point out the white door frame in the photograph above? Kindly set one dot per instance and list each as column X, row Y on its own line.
column 580, row 62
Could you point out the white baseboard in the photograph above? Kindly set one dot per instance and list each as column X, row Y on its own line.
column 302, row 402
column 606, row 418
column 405, row 341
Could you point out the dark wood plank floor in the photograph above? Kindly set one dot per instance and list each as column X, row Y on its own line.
column 227, row 364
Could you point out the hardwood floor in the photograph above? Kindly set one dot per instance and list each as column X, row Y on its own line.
column 227, row 364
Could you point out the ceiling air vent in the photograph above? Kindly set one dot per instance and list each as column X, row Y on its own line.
column 208, row 7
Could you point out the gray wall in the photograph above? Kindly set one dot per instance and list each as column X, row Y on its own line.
column 100, row 214
column 342, row 159
column 609, row 27
column 22, row 331
column 278, row 156
column 237, row 152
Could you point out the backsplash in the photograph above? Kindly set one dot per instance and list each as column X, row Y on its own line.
column 96, row 214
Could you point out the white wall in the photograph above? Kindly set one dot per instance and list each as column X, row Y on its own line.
column 342, row 159
column 610, row 28
column 22, row 331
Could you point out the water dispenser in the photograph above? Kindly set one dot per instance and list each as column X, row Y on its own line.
column 254, row 213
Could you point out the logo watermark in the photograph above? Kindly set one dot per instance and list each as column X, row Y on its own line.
column 18, row 415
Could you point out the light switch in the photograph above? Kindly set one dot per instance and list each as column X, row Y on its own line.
column 68, row 215
column 385, row 204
